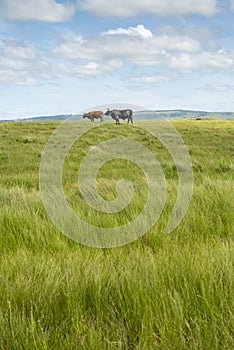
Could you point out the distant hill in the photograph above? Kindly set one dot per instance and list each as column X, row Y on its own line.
column 47, row 118
column 141, row 115
column 50, row 118
column 182, row 114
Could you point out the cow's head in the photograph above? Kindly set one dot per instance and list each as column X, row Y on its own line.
column 84, row 115
column 108, row 112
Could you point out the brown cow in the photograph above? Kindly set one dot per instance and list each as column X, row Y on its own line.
column 94, row 115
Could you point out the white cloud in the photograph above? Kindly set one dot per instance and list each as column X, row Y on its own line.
column 91, row 68
column 9, row 76
column 21, row 64
column 74, row 47
column 18, row 51
column 152, row 79
column 219, row 88
column 126, row 46
column 130, row 8
column 30, row 10
column 15, row 55
column 138, row 31
column 198, row 33
column 225, row 87
column 203, row 62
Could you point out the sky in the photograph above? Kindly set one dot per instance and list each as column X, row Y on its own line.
column 62, row 57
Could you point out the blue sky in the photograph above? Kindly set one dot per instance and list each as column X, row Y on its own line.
column 66, row 56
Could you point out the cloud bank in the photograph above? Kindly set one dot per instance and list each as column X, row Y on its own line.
column 53, row 11
column 132, row 49
column 130, row 8
column 31, row 10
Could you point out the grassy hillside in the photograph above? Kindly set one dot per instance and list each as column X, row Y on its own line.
column 163, row 291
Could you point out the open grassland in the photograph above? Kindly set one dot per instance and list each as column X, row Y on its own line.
column 163, row 291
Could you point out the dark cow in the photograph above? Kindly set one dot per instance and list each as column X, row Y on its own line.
column 118, row 114
column 94, row 115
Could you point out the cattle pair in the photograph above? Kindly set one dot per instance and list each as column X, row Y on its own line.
column 116, row 114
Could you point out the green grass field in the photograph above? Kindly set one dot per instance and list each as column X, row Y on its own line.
column 162, row 291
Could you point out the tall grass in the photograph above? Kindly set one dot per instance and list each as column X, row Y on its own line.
column 163, row 291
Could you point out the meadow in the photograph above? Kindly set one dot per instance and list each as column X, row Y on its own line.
column 162, row 291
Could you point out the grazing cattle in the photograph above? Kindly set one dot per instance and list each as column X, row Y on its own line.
column 117, row 114
column 94, row 115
